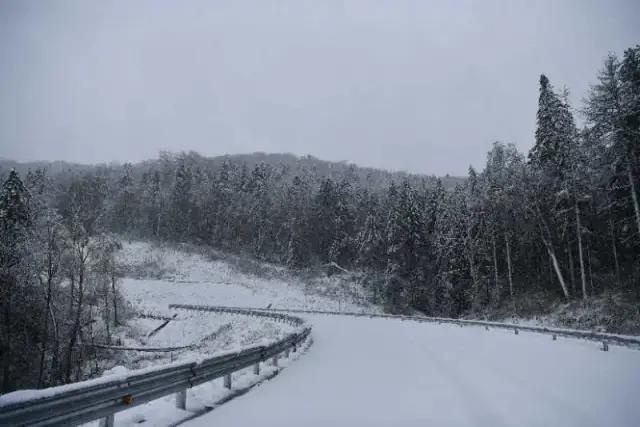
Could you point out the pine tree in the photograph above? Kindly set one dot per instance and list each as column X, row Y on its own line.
column 371, row 244
column 14, row 234
column 475, row 231
column 298, row 230
column 405, row 241
column 630, row 122
column 14, row 202
column 181, row 199
column 450, row 244
column 342, row 248
column 612, row 112
column 555, row 135
column 125, row 201
column 551, row 160
column 325, row 206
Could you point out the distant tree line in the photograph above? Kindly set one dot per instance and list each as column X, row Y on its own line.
column 565, row 221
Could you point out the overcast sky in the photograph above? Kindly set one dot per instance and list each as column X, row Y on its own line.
column 421, row 86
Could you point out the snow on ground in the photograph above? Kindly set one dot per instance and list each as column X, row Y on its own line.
column 163, row 412
column 206, row 332
column 612, row 311
column 192, row 327
column 190, row 277
column 380, row 372
column 157, row 276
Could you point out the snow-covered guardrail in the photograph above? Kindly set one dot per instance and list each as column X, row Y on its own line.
column 193, row 346
column 142, row 349
column 604, row 338
column 85, row 401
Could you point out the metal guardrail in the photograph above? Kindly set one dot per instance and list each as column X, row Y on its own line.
column 194, row 346
column 86, row 401
column 605, row 338
column 102, row 398
column 141, row 349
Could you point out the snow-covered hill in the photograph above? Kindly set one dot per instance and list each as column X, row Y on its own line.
column 156, row 276
column 163, row 275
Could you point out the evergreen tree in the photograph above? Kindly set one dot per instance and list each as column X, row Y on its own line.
column 370, row 240
column 14, row 235
column 125, row 202
column 405, row 240
column 551, row 161
column 299, row 233
column 181, row 200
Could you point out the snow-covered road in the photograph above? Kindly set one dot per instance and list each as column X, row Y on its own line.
column 388, row 372
column 380, row 372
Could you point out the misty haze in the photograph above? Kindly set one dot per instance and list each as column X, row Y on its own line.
column 311, row 213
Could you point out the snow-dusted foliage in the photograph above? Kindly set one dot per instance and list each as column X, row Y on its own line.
column 59, row 281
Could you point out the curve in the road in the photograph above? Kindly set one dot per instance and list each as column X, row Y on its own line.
column 383, row 372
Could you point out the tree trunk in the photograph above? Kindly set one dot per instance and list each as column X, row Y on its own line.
column 116, row 321
column 76, row 325
column 72, row 285
column 579, row 233
column 45, row 334
column 158, row 220
column 590, row 269
column 53, row 264
column 549, row 246
column 508, row 248
column 5, row 345
column 56, row 342
column 572, row 275
column 495, row 267
column 556, row 266
column 614, row 248
column 107, row 312
column 472, row 265
column 634, row 196
column 539, row 267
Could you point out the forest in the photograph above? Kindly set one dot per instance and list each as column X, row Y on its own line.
column 561, row 221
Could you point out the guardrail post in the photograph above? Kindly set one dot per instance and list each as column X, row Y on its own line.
column 256, row 368
column 181, row 399
column 274, row 361
column 605, row 346
column 515, row 330
column 554, row 337
column 227, row 381
column 108, row 421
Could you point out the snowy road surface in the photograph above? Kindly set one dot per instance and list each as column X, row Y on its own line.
column 379, row 372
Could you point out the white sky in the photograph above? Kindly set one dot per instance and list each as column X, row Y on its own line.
column 422, row 86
